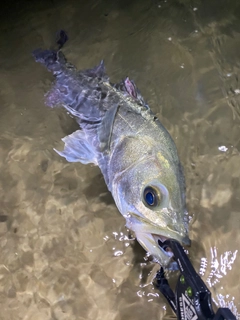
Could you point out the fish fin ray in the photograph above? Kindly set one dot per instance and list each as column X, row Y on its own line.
column 53, row 60
column 128, row 87
column 52, row 98
column 97, row 71
column 78, row 149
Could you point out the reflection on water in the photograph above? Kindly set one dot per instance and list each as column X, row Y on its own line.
column 65, row 253
column 219, row 267
column 215, row 270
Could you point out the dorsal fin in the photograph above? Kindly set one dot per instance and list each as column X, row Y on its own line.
column 97, row 71
column 128, row 88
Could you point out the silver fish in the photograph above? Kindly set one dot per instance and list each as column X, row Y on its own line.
column 135, row 153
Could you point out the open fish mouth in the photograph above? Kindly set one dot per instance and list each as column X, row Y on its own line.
column 151, row 237
column 160, row 240
column 154, row 244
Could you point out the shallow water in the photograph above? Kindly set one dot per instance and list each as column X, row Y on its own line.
column 65, row 253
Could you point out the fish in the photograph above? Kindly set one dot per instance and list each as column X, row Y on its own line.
column 120, row 134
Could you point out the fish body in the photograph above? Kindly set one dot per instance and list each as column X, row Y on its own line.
column 136, row 155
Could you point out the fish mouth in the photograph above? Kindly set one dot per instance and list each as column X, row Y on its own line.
column 161, row 239
column 185, row 241
column 151, row 236
column 154, row 244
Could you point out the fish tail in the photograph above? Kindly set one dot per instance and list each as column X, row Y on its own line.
column 53, row 60
column 61, row 38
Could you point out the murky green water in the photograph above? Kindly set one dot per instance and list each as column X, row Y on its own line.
column 64, row 250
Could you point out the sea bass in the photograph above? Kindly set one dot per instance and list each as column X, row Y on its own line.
column 136, row 154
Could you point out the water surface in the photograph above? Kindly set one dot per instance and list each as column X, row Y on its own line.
column 65, row 253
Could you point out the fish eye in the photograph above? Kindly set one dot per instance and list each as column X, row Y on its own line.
column 151, row 196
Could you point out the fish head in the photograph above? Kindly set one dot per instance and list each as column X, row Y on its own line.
column 150, row 193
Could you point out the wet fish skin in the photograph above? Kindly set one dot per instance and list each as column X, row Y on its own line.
column 121, row 135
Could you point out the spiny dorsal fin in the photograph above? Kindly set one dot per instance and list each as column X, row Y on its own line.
column 97, row 71
column 128, row 88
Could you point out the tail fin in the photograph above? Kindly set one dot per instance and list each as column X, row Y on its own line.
column 61, row 38
column 53, row 60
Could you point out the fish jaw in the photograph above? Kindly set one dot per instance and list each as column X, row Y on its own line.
column 148, row 235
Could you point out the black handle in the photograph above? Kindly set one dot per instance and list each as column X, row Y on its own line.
column 192, row 299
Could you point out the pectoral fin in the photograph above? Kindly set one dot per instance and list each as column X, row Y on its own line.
column 78, row 149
